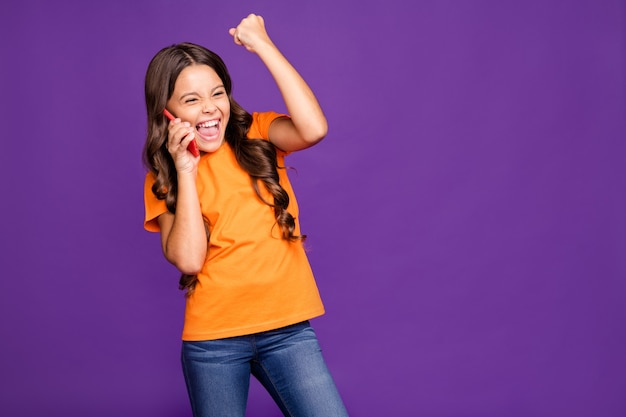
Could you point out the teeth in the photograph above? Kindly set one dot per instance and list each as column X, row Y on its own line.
column 208, row 124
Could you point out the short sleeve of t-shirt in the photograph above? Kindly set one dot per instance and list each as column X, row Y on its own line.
column 259, row 129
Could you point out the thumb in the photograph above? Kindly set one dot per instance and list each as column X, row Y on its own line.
column 233, row 33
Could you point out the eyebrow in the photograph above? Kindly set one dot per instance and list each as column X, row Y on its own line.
column 193, row 93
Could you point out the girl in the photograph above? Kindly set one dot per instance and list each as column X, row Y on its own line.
column 228, row 221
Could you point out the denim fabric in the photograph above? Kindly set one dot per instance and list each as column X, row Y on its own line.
column 288, row 362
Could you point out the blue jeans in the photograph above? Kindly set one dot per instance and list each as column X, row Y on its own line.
column 288, row 362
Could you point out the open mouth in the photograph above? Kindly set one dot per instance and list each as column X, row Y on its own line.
column 208, row 130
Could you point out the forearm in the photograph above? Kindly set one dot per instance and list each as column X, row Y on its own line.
column 185, row 244
column 302, row 105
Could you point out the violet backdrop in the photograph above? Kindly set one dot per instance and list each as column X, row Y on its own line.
column 466, row 213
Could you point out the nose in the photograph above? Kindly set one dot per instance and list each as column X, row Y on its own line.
column 209, row 107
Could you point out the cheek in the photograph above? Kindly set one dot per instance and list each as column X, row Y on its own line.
column 226, row 112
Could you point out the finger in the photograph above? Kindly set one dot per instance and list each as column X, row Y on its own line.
column 177, row 136
column 187, row 141
column 233, row 33
column 188, row 138
column 176, row 126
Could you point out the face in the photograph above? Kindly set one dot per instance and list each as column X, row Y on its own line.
column 200, row 98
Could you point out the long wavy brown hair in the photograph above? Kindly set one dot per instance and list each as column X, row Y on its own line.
column 256, row 157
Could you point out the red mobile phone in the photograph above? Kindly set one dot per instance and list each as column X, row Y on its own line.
column 193, row 146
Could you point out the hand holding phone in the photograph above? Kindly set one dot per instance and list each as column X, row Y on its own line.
column 193, row 146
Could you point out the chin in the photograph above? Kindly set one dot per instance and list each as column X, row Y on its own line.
column 212, row 147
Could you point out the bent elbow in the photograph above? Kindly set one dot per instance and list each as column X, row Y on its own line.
column 316, row 135
column 189, row 267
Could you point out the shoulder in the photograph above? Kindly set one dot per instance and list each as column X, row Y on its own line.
column 153, row 206
column 261, row 122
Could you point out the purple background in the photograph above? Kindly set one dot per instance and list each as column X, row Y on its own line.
column 466, row 213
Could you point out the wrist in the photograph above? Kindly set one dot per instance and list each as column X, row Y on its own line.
column 266, row 48
column 185, row 175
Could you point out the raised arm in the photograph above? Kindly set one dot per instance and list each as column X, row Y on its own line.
column 307, row 125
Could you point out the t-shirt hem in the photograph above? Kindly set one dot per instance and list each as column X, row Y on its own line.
column 196, row 337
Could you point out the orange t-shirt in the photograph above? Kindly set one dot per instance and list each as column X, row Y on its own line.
column 252, row 279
